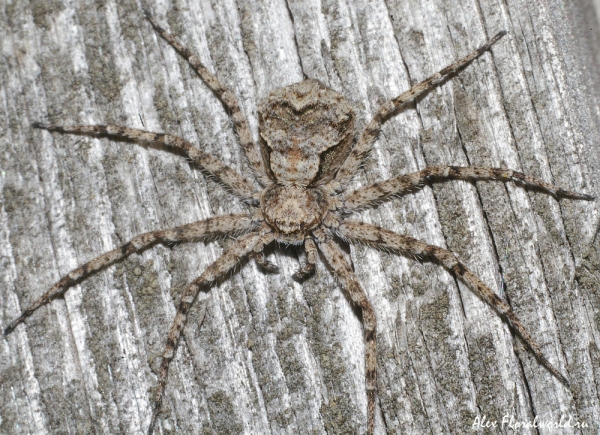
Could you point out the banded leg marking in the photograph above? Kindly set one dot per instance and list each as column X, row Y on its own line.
column 196, row 230
column 238, row 184
column 253, row 242
column 385, row 239
column 343, row 271
column 371, row 131
column 240, row 123
column 380, row 191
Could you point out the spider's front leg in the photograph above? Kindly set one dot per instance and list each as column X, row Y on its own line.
column 196, row 230
column 230, row 178
column 252, row 242
column 386, row 239
column 343, row 271
column 377, row 192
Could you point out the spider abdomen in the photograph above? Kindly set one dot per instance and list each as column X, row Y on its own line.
column 306, row 132
column 293, row 211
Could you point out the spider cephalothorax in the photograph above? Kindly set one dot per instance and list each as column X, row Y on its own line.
column 294, row 211
column 308, row 153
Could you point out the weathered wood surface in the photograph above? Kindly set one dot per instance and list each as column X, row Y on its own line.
column 262, row 353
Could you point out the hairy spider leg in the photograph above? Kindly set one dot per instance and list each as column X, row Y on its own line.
column 196, row 230
column 252, row 242
column 369, row 135
column 342, row 269
column 240, row 122
column 386, row 239
column 231, row 179
column 377, row 192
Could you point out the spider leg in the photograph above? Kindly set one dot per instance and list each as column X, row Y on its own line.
column 252, row 242
column 308, row 267
column 371, row 131
column 230, row 178
column 263, row 263
column 343, row 271
column 385, row 239
column 196, row 230
column 377, row 192
column 240, row 123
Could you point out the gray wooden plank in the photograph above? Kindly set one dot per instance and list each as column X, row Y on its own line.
column 263, row 353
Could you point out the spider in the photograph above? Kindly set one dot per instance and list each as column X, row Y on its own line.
column 309, row 151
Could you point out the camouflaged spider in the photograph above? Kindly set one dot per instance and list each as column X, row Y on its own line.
column 308, row 152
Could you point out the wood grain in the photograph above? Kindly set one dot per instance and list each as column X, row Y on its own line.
column 263, row 353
